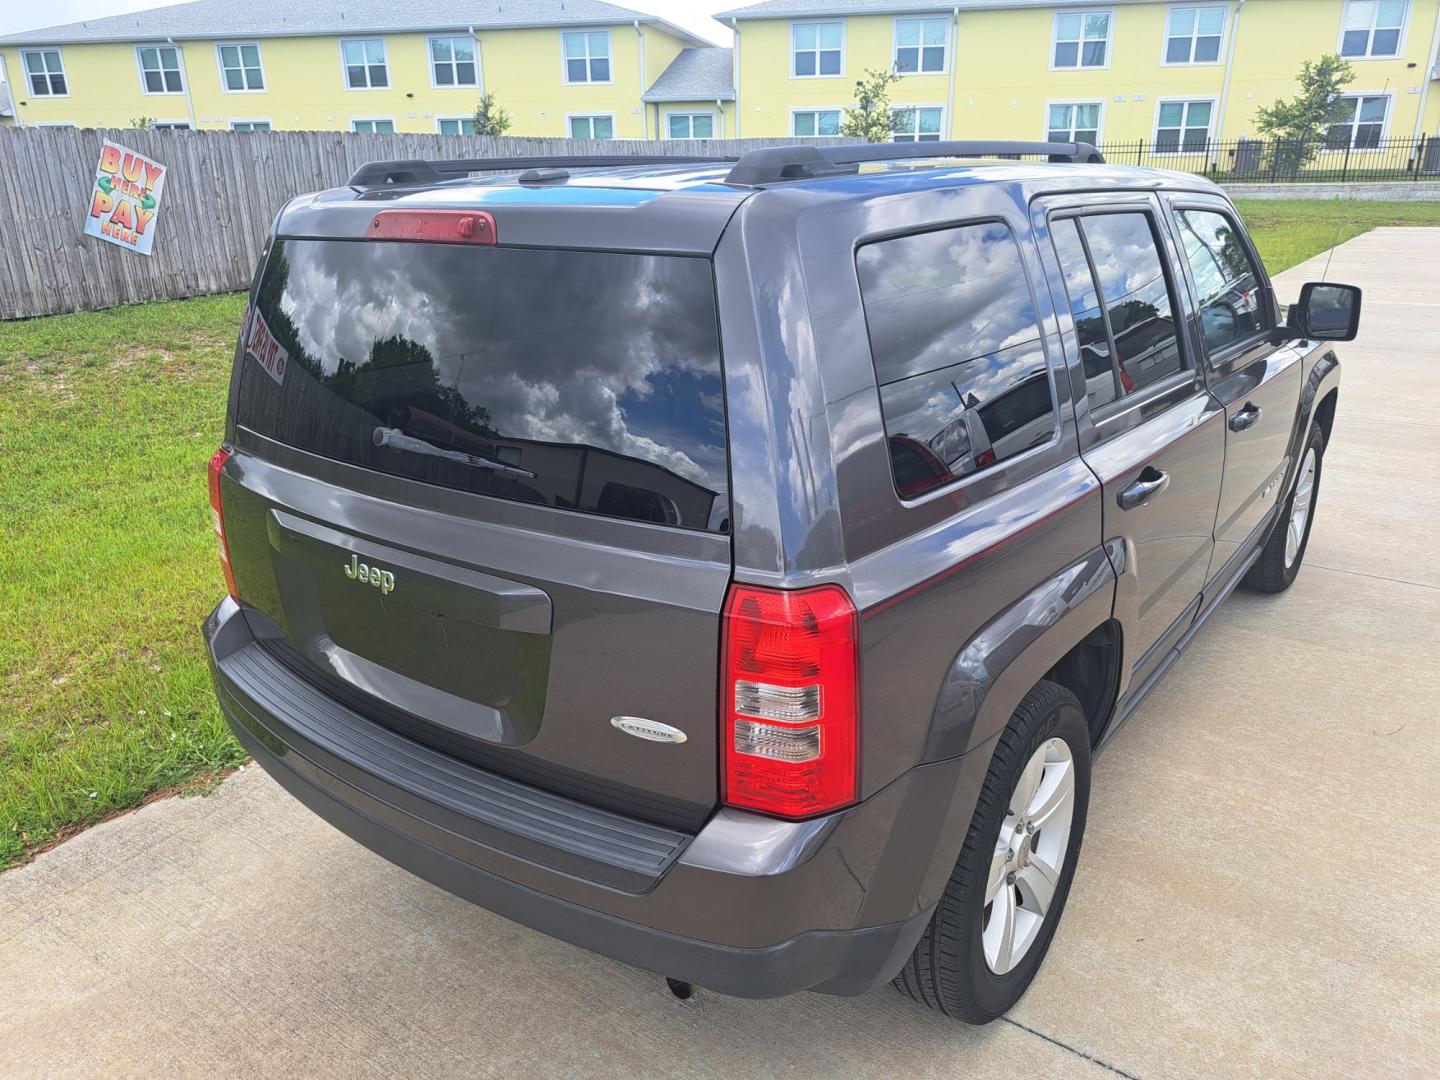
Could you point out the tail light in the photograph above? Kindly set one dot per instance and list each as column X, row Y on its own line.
column 433, row 226
column 790, row 702
column 217, row 517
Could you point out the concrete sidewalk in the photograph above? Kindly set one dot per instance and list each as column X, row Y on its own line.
column 1257, row 894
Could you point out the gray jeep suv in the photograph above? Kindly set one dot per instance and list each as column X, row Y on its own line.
column 733, row 567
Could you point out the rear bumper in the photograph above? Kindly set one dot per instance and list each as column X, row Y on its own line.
column 748, row 906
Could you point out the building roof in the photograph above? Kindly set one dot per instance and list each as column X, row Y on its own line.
column 297, row 18
column 695, row 75
column 803, row 9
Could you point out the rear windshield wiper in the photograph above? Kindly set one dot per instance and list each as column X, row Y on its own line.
column 398, row 440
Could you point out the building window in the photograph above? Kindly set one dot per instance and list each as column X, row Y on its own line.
column 817, row 49
column 920, row 45
column 1193, row 35
column 1082, row 39
column 592, row 127
column 690, row 125
column 170, row 125
column 1362, row 124
column 160, row 69
column 809, row 123
column 587, row 56
column 240, row 68
column 365, row 67
column 1372, row 28
column 45, row 72
column 452, row 61
column 455, row 125
column 249, row 125
column 373, row 127
column 1183, row 126
column 919, row 124
column 1075, row 121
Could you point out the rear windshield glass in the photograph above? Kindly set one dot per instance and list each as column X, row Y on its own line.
column 588, row 381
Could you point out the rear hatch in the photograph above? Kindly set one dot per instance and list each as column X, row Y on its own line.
column 481, row 492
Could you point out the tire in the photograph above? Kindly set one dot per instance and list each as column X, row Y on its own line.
column 950, row 970
column 1278, row 565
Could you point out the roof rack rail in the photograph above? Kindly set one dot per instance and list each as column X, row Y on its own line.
column 417, row 171
column 773, row 164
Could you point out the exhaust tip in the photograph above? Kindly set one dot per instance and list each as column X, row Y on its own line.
column 682, row 990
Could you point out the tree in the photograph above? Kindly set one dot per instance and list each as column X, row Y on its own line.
column 141, row 122
column 1297, row 128
column 871, row 117
column 490, row 118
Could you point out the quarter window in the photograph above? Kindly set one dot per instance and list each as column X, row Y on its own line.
column 920, row 45
column 456, row 125
column 1193, row 35
column 1121, row 302
column 1372, row 28
column 953, row 334
column 818, row 48
column 810, row 123
column 1183, row 127
column 690, row 125
column 45, row 73
column 1082, row 39
column 1225, row 279
column 160, row 69
column 1074, row 122
column 1361, row 125
column 240, row 68
column 365, row 65
column 452, row 61
column 587, row 56
column 373, row 127
column 592, row 127
column 917, row 125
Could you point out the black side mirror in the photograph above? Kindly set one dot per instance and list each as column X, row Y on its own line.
column 1325, row 312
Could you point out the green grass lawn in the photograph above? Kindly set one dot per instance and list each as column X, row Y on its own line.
column 107, row 562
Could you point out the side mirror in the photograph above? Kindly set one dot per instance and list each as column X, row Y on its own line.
column 1325, row 312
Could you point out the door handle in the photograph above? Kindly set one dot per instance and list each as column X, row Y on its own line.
column 1152, row 482
column 1245, row 418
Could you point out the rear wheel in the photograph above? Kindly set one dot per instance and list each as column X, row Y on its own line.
column 1284, row 549
column 1003, row 901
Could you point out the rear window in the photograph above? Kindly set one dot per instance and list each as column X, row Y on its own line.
column 587, row 381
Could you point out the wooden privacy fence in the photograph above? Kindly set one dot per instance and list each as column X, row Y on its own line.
column 222, row 191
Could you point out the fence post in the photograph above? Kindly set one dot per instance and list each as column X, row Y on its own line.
column 1345, row 164
column 1419, row 158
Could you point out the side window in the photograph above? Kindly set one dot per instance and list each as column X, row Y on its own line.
column 1121, row 301
column 1230, row 304
column 957, row 353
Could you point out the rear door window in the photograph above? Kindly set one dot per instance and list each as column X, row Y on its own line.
column 586, row 381
column 957, row 352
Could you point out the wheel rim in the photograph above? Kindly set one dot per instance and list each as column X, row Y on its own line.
column 1300, row 509
column 1029, row 856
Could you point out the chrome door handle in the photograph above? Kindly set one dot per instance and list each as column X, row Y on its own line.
column 1152, row 482
column 1245, row 418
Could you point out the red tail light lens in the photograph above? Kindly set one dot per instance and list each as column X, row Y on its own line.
column 217, row 517
column 790, row 700
column 433, row 226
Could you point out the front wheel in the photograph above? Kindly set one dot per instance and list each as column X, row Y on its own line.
column 1284, row 549
column 1000, row 908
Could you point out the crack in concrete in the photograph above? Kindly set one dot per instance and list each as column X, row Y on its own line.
column 1374, row 577
column 1066, row 1046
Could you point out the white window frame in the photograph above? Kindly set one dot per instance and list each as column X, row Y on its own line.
column 367, row 88
column 63, row 73
column 895, row 45
column 1399, row 53
column 609, row 57
column 180, row 123
column 1180, row 150
column 1360, row 95
column 1100, row 123
column 252, row 120
column 179, row 69
column 448, row 119
column 816, row 109
column 430, row 63
column 373, row 120
column 692, row 113
column 259, row 52
column 1109, row 12
column 844, row 25
column 56, row 124
column 1197, row 6
column 916, row 107
column 592, row 116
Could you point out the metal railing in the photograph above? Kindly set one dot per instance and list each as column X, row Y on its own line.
column 1261, row 161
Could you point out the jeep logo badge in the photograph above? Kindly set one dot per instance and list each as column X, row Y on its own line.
column 384, row 580
column 652, row 730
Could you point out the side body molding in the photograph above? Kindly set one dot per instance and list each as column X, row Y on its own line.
column 992, row 673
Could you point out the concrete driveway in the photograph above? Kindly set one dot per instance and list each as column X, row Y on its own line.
column 1257, row 894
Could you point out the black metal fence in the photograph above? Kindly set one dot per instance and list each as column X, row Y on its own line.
column 1260, row 161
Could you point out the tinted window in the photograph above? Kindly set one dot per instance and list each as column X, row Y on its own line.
column 963, row 381
column 1231, row 308
column 581, row 380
